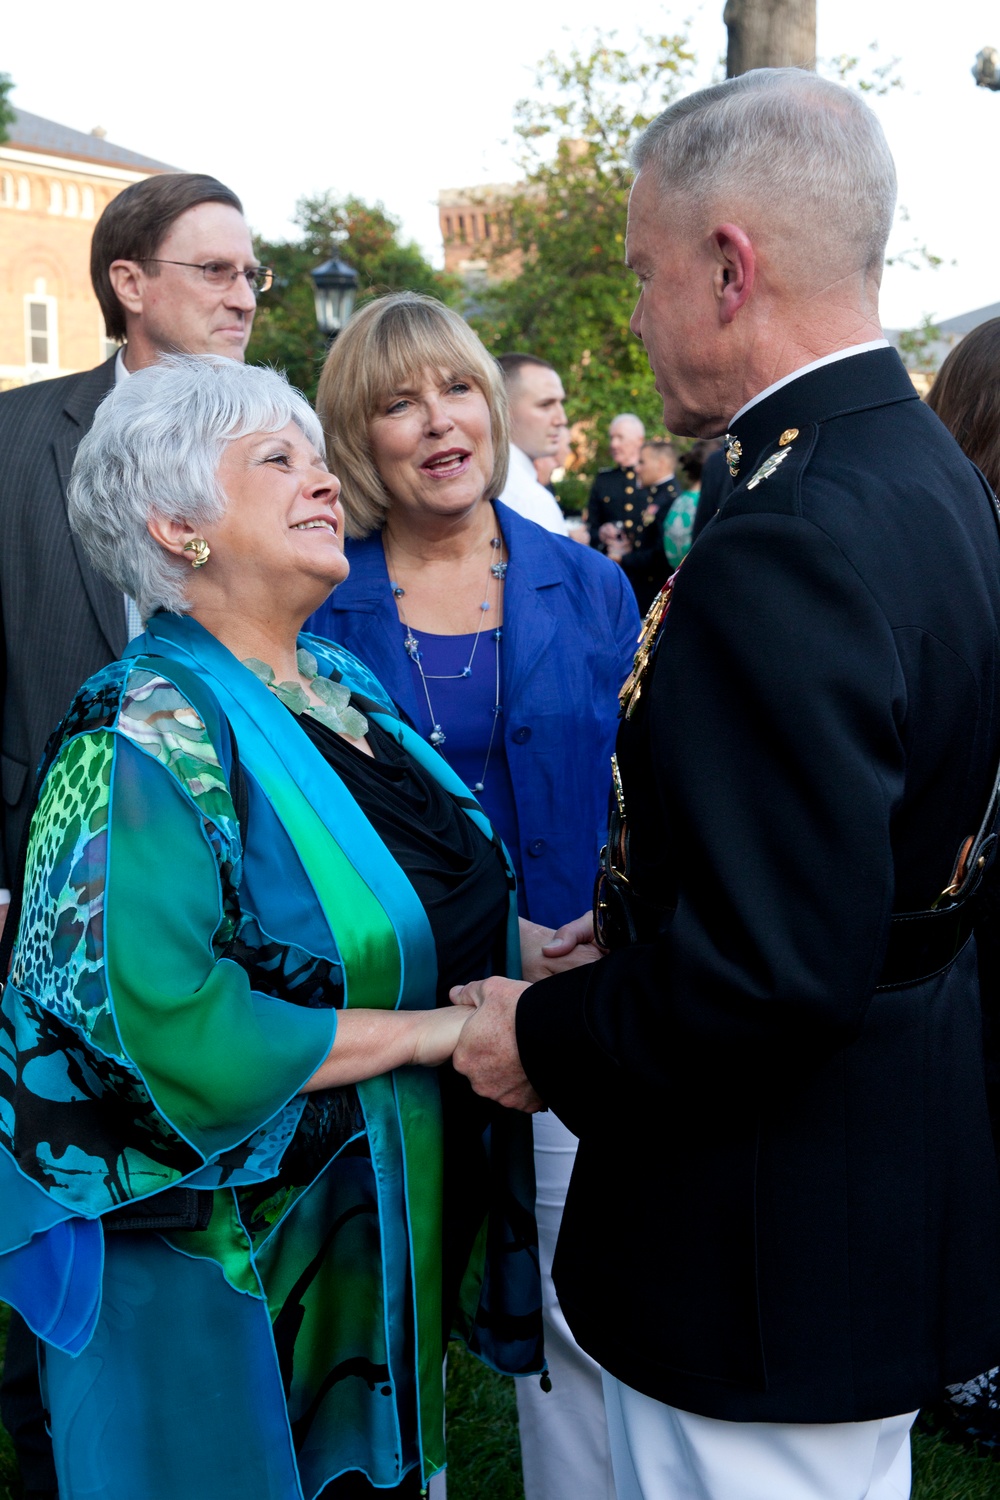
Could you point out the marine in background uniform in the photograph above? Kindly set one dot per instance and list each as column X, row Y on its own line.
column 647, row 567
column 616, row 496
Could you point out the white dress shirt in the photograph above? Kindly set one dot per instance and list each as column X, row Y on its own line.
column 133, row 620
column 523, row 493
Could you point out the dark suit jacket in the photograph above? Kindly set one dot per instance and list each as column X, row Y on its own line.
column 570, row 624
column 59, row 620
column 786, row 1203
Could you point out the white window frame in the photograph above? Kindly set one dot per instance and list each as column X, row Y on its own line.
column 8, row 192
column 51, row 365
column 56, row 199
column 23, row 193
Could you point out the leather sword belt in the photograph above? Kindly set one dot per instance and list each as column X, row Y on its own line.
column 923, row 943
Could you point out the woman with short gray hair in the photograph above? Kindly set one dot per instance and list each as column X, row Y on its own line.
column 229, row 1216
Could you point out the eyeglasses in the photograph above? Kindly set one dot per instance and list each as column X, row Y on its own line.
column 223, row 272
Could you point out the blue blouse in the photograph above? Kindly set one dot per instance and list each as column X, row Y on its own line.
column 569, row 634
column 463, row 707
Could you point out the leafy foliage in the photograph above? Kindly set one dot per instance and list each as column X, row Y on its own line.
column 919, row 347
column 6, row 108
column 565, row 226
column 880, row 78
column 368, row 238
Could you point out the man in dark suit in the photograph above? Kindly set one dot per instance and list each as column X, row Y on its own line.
column 616, row 500
column 173, row 268
column 783, row 1229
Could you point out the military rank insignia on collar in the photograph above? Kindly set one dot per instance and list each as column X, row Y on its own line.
column 734, row 452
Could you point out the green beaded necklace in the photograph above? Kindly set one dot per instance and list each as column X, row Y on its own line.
column 334, row 711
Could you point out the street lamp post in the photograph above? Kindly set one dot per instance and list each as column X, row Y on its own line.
column 335, row 286
column 986, row 70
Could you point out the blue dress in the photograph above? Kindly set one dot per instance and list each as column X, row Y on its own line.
column 569, row 634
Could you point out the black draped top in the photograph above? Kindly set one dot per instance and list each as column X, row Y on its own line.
column 457, row 873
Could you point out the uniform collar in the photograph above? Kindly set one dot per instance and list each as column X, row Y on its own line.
column 857, row 380
column 816, row 364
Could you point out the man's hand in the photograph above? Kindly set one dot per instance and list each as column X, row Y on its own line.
column 487, row 1048
column 545, row 952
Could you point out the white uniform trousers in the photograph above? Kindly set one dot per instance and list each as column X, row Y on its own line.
column 565, row 1454
column 661, row 1453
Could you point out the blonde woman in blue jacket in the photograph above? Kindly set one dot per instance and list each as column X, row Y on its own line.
column 505, row 645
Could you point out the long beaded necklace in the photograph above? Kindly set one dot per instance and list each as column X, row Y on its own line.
column 411, row 645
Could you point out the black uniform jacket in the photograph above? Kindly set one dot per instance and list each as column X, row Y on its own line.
column 646, row 566
column 616, row 495
column 715, row 486
column 786, row 1203
column 59, row 619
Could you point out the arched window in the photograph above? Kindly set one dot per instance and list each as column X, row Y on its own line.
column 447, row 227
column 55, row 198
column 72, row 200
column 88, row 202
column 23, row 193
column 6, row 190
column 461, row 228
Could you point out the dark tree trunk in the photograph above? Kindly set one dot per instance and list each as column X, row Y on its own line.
column 770, row 34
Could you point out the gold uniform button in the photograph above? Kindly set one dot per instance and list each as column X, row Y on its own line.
column 628, row 505
column 788, row 436
column 628, row 489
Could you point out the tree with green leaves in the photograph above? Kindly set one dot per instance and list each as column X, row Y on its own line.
column 365, row 235
column 572, row 300
column 6, row 108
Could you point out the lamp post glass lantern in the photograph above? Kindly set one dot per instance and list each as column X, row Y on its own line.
column 986, row 70
column 335, row 285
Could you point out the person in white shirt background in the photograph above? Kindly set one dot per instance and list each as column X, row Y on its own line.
column 535, row 396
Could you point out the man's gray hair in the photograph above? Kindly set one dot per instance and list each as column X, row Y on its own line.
column 155, row 449
column 628, row 416
column 781, row 138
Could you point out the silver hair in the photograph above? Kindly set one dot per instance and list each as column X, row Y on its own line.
column 155, row 449
column 628, row 416
column 795, row 144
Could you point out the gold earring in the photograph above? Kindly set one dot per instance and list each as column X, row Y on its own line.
column 202, row 551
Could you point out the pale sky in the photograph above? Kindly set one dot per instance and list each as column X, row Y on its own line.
column 395, row 101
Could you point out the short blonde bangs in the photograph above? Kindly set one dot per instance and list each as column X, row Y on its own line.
column 384, row 348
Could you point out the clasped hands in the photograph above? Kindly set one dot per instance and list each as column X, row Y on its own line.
column 486, row 1047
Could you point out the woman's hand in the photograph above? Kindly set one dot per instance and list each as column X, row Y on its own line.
column 437, row 1036
column 545, row 952
column 371, row 1042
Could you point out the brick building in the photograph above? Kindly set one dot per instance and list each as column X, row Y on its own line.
column 54, row 184
column 471, row 222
